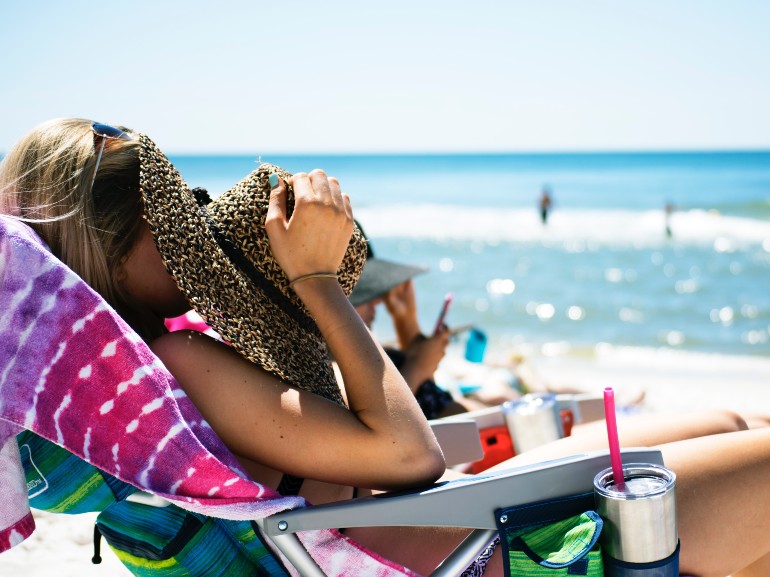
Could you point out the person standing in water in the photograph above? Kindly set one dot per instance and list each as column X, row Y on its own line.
column 545, row 204
column 669, row 210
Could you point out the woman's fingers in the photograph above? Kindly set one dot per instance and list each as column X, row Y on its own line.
column 443, row 335
column 320, row 184
column 303, row 189
column 276, row 208
column 336, row 193
column 326, row 190
column 316, row 236
column 317, row 188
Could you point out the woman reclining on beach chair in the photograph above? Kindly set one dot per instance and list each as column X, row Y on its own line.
column 269, row 265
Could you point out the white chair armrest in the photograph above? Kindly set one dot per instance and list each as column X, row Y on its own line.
column 459, row 440
column 484, row 418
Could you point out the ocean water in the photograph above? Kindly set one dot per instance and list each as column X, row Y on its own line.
column 601, row 272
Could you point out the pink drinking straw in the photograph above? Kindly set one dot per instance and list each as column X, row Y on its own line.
column 612, row 436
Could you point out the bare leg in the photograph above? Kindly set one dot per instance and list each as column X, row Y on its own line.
column 760, row 568
column 757, row 421
column 698, row 423
column 419, row 548
column 723, row 501
column 646, row 430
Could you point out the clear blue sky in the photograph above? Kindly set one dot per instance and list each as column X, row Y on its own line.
column 403, row 76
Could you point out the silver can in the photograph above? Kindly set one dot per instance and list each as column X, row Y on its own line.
column 533, row 420
column 640, row 519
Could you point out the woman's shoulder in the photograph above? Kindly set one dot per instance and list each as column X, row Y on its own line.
column 191, row 354
column 185, row 341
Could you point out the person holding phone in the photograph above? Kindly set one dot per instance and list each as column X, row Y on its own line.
column 419, row 354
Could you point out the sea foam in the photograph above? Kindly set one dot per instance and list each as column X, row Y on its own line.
column 604, row 227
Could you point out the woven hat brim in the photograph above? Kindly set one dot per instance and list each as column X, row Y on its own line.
column 379, row 276
column 279, row 338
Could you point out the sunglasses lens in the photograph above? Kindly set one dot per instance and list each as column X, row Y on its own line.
column 107, row 131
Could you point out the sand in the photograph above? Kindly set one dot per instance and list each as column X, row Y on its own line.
column 670, row 381
column 62, row 545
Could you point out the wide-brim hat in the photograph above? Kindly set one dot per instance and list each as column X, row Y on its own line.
column 380, row 275
column 218, row 253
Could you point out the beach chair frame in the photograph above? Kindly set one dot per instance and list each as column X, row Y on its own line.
column 470, row 502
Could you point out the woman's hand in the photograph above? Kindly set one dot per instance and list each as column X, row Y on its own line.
column 423, row 356
column 315, row 238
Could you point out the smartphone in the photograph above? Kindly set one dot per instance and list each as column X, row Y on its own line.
column 442, row 315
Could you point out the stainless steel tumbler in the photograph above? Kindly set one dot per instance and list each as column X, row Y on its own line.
column 533, row 420
column 640, row 519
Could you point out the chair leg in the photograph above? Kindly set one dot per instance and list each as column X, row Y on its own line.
column 295, row 552
column 455, row 563
column 465, row 553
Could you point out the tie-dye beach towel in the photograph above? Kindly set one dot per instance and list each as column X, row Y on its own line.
column 73, row 372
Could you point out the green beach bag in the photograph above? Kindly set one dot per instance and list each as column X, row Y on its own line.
column 552, row 538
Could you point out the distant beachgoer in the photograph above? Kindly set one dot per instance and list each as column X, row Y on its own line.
column 545, row 204
column 669, row 210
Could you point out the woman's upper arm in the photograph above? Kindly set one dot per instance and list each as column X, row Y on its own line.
column 261, row 418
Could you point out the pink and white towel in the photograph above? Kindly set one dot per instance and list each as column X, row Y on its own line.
column 73, row 372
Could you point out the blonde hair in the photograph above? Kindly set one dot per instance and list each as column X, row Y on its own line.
column 45, row 181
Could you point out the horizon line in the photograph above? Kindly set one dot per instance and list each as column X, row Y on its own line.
column 726, row 150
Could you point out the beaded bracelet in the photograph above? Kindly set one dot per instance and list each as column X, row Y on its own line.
column 314, row 275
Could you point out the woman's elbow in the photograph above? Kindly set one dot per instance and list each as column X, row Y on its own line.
column 422, row 467
column 436, row 468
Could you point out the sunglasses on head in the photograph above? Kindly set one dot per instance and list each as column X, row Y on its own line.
column 105, row 131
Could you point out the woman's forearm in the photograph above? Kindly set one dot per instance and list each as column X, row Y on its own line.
column 384, row 417
column 376, row 391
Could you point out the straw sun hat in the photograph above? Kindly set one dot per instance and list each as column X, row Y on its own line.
column 219, row 255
